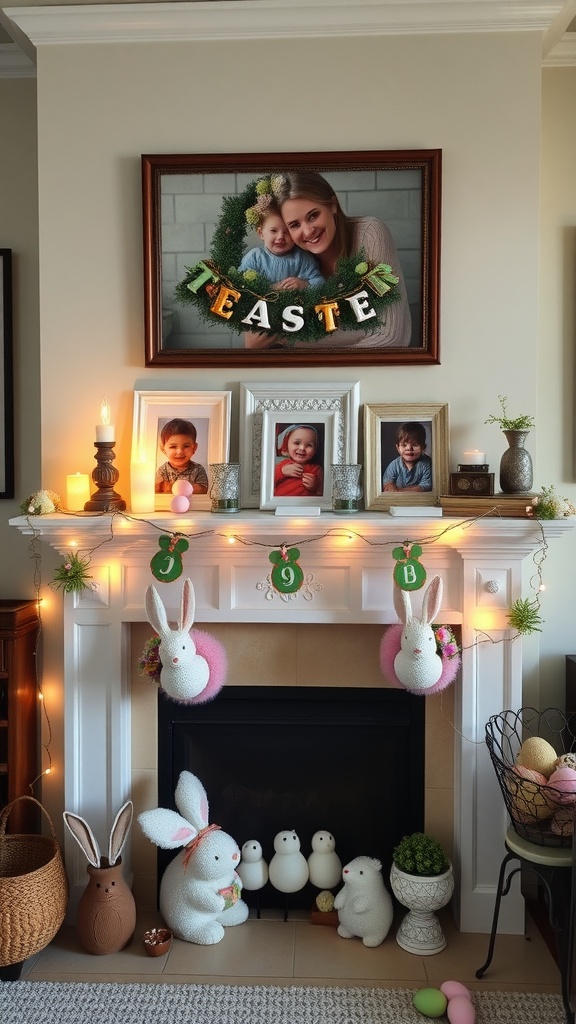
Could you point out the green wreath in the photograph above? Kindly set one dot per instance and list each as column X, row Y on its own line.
column 222, row 294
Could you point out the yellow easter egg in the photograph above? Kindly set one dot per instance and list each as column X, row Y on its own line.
column 538, row 754
column 430, row 1001
column 530, row 801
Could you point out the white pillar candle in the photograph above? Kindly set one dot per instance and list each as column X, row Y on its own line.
column 473, row 458
column 105, row 430
column 142, row 474
column 77, row 491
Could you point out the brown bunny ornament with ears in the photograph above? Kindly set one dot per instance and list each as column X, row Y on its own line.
column 107, row 912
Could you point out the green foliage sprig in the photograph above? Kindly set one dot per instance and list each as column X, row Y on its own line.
column 506, row 422
column 228, row 248
column 420, row 854
column 72, row 576
column 550, row 505
column 524, row 616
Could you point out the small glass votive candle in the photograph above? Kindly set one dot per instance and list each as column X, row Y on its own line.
column 224, row 487
column 346, row 490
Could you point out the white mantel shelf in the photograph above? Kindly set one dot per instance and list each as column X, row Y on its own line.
column 346, row 580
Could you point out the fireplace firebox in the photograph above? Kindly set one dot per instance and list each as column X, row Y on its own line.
column 346, row 759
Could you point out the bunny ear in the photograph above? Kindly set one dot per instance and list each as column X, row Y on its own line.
column 432, row 600
column 84, row 837
column 188, row 606
column 191, row 800
column 119, row 832
column 156, row 612
column 402, row 604
column 166, row 828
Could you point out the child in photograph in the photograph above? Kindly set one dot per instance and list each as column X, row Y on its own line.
column 297, row 475
column 278, row 259
column 178, row 443
column 412, row 470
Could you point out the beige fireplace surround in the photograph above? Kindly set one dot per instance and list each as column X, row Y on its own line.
column 347, row 567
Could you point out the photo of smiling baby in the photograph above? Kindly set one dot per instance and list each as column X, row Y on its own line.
column 411, row 470
column 299, row 466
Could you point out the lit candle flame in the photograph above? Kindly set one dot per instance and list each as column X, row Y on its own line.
column 105, row 412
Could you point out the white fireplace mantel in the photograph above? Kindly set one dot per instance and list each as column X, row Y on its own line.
column 347, row 565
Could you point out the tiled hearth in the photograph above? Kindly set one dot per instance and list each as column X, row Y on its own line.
column 348, row 570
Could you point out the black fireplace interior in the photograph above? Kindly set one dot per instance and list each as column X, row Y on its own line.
column 346, row 759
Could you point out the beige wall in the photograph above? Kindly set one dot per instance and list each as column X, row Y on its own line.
column 100, row 107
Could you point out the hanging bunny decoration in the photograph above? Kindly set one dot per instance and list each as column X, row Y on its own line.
column 200, row 888
column 417, row 665
column 106, row 915
column 194, row 664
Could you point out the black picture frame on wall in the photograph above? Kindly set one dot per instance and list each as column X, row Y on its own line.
column 183, row 203
column 6, row 377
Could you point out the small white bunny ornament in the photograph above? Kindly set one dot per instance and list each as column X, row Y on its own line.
column 200, row 889
column 417, row 664
column 185, row 674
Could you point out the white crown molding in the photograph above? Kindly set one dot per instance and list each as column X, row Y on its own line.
column 258, row 19
column 265, row 19
column 14, row 63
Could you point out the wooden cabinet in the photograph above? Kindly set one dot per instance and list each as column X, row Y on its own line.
column 19, row 720
column 570, row 684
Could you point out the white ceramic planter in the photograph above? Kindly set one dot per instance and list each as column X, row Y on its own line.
column 420, row 931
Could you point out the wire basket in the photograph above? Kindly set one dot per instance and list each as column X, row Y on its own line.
column 541, row 813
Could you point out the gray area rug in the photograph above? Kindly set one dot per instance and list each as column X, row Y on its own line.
column 46, row 1002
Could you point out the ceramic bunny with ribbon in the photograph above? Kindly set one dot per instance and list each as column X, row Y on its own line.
column 106, row 915
column 185, row 674
column 200, row 889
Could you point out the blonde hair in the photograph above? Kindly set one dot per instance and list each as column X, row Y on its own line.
column 311, row 185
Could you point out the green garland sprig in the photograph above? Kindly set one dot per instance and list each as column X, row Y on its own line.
column 72, row 576
column 221, row 268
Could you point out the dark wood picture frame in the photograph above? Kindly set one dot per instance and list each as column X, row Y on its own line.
column 6, row 377
column 182, row 198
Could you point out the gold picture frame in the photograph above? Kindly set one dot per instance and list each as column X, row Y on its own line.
column 380, row 425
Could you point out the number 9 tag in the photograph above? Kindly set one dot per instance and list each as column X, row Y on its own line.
column 287, row 576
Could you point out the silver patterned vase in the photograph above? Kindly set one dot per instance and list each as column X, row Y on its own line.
column 516, row 464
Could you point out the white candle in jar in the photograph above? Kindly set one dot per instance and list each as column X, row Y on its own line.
column 104, row 430
column 473, row 458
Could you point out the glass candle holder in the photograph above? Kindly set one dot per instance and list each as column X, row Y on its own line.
column 346, row 490
column 224, row 488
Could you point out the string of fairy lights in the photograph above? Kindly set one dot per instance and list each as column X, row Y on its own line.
column 73, row 575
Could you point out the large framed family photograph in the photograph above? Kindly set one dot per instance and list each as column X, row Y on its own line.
column 292, row 259
column 406, row 454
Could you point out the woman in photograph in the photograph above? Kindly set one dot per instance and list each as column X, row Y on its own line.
column 317, row 224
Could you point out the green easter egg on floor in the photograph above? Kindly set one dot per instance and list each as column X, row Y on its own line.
column 430, row 1001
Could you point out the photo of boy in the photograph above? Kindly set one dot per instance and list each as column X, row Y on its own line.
column 299, row 472
column 412, row 469
column 178, row 442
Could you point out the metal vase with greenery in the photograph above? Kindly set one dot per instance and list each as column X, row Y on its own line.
column 422, row 881
column 516, row 473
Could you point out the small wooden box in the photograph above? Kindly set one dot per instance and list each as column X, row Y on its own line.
column 471, row 485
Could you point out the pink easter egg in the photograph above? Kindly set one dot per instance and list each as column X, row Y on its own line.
column 182, row 487
column 460, row 1010
column 180, row 503
column 455, row 988
column 562, row 785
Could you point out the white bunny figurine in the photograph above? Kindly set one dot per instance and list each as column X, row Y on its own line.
column 184, row 673
column 200, row 889
column 417, row 664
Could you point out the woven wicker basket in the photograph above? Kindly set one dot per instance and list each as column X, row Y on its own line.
column 538, row 813
column 33, row 890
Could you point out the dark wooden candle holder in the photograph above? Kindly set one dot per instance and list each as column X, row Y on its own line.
column 105, row 475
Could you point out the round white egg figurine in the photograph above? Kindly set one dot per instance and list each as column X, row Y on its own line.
column 181, row 489
column 253, row 869
column 288, row 869
column 324, row 864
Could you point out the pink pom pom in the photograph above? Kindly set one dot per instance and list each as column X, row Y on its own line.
column 179, row 503
column 182, row 487
column 389, row 647
column 215, row 654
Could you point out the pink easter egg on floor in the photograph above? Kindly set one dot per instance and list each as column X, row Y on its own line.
column 455, row 988
column 182, row 487
column 179, row 503
column 460, row 1010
